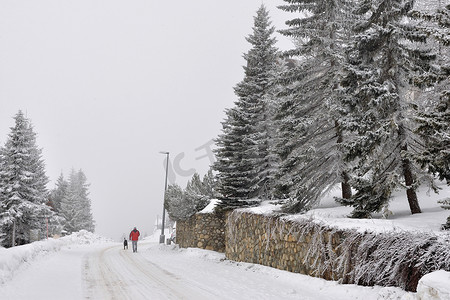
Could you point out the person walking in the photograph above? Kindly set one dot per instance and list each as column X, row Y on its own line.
column 134, row 236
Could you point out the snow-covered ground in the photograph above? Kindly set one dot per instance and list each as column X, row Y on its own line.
column 397, row 218
column 86, row 266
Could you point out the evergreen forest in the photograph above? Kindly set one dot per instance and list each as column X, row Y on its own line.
column 362, row 102
column 28, row 210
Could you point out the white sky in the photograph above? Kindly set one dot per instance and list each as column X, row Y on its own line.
column 109, row 84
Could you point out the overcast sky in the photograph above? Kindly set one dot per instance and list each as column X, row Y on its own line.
column 110, row 84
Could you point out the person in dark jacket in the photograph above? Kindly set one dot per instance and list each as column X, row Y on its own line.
column 134, row 236
column 125, row 244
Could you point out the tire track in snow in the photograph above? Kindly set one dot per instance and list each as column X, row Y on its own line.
column 113, row 273
column 99, row 280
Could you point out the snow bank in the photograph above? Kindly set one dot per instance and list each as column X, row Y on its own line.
column 205, row 255
column 84, row 237
column 154, row 237
column 13, row 259
column 434, row 286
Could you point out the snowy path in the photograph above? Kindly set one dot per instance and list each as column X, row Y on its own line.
column 117, row 274
column 106, row 271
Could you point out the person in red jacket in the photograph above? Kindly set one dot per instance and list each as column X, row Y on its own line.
column 134, row 236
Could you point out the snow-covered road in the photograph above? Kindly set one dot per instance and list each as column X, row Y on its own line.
column 107, row 271
column 113, row 273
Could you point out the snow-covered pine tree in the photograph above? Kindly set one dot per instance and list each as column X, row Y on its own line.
column 86, row 221
column 270, row 165
column 195, row 193
column 434, row 127
column 181, row 204
column 76, row 205
column 434, row 119
column 58, row 193
column 23, row 181
column 2, row 167
column 243, row 146
column 69, row 209
column 309, row 123
column 177, row 205
column 231, row 180
column 44, row 214
column 388, row 51
column 209, row 185
column 55, row 224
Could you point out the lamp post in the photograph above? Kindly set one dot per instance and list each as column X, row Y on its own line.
column 162, row 236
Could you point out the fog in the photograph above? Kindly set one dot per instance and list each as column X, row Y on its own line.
column 110, row 84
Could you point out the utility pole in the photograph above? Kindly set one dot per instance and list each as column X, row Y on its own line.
column 162, row 236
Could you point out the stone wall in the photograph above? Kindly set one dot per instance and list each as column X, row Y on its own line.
column 392, row 258
column 296, row 247
column 305, row 246
column 202, row 230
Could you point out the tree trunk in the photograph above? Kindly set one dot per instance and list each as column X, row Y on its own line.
column 409, row 182
column 13, row 238
column 346, row 188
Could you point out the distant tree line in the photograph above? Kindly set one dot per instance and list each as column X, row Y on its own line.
column 27, row 208
column 362, row 101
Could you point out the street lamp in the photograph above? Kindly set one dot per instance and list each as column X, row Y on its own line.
column 162, row 236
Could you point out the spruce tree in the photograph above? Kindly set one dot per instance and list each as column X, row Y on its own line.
column 86, row 220
column 434, row 118
column 2, row 167
column 195, row 193
column 243, row 146
column 57, row 194
column 76, row 205
column 309, row 122
column 69, row 209
column 434, row 127
column 56, row 223
column 270, row 164
column 388, row 52
column 23, row 181
column 209, row 185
